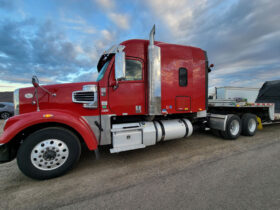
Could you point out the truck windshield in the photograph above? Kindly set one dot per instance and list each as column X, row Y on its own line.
column 102, row 71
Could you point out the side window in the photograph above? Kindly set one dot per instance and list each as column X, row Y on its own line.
column 183, row 77
column 133, row 70
column 2, row 105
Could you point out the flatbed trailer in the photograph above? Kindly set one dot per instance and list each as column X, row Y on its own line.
column 230, row 118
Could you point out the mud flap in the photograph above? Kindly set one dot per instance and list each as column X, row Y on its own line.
column 7, row 153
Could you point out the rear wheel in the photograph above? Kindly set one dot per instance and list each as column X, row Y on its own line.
column 5, row 115
column 249, row 124
column 48, row 153
column 233, row 128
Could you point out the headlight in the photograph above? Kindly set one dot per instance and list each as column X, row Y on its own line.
column 16, row 102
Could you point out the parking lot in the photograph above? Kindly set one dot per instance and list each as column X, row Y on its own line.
column 201, row 172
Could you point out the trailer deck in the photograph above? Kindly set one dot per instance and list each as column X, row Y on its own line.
column 241, row 106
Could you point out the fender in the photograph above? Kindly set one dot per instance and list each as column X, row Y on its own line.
column 18, row 123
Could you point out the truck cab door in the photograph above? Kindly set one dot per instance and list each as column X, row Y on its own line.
column 129, row 96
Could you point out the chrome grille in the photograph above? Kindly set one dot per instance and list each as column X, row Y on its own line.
column 83, row 96
column 88, row 96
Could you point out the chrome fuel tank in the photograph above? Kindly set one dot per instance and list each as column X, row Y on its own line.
column 129, row 136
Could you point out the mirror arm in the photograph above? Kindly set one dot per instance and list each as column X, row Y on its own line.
column 115, row 87
column 35, row 95
column 52, row 94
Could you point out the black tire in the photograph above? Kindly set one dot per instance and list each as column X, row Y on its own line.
column 249, row 124
column 42, row 139
column 5, row 115
column 230, row 133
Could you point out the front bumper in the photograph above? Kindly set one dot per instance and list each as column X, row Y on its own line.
column 7, row 153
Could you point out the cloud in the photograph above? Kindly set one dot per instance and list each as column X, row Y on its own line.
column 78, row 24
column 103, row 43
column 7, row 4
column 78, row 20
column 106, row 4
column 88, row 76
column 82, row 29
column 45, row 51
column 241, row 38
column 120, row 19
column 177, row 15
column 7, row 86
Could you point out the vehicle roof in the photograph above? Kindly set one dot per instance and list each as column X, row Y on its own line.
column 7, row 103
column 146, row 42
column 138, row 48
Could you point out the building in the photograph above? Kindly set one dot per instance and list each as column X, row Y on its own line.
column 6, row 97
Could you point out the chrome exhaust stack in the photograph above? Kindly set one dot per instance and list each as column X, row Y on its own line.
column 154, row 76
column 152, row 35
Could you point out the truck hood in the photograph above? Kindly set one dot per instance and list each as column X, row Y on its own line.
column 59, row 97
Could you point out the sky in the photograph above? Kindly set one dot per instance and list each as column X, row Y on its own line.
column 61, row 40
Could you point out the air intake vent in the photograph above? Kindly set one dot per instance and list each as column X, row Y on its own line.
column 88, row 96
column 83, row 96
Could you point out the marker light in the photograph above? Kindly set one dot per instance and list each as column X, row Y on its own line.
column 47, row 115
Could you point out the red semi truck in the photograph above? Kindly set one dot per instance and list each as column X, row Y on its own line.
column 146, row 92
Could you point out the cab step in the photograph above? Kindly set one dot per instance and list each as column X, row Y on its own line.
column 127, row 148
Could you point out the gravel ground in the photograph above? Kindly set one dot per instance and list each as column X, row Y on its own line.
column 1, row 125
column 201, row 172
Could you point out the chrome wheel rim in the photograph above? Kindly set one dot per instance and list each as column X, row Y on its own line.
column 49, row 154
column 252, row 125
column 234, row 127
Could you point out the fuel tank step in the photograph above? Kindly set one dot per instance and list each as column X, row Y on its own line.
column 127, row 148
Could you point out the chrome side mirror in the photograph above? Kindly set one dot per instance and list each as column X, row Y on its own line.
column 119, row 65
column 35, row 81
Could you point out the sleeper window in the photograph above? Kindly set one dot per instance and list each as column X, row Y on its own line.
column 183, row 77
column 133, row 70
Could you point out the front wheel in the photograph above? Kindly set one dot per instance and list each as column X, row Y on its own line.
column 48, row 153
